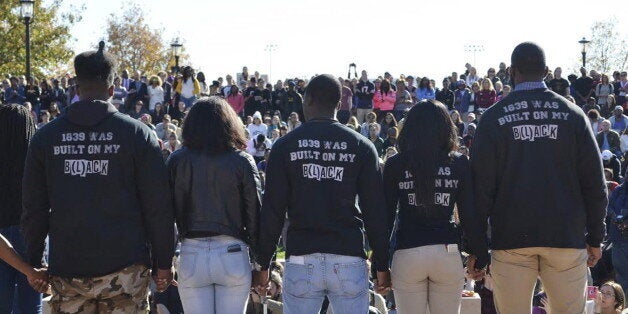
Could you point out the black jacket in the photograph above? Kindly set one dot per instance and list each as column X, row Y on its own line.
column 447, row 97
column 538, row 173
column 95, row 181
column 218, row 194
column 315, row 173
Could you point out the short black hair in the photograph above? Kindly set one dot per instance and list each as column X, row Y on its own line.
column 324, row 91
column 96, row 66
column 528, row 58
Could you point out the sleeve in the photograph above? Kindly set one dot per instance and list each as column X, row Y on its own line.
column 35, row 202
column 274, row 206
column 484, row 152
column 471, row 222
column 180, row 187
column 390, row 192
column 592, row 184
column 373, row 205
column 154, row 194
column 252, row 200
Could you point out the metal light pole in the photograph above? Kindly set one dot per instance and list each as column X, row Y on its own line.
column 584, row 43
column 176, row 51
column 474, row 49
column 270, row 48
column 26, row 11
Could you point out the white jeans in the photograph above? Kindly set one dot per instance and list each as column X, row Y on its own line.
column 214, row 275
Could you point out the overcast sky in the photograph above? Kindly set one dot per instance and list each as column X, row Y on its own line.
column 425, row 38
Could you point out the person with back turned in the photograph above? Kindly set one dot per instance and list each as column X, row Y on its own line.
column 315, row 173
column 538, row 177
column 96, row 183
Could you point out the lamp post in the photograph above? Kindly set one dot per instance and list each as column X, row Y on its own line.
column 176, row 51
column 584, row 43
column 474, row 48
column 26, row 11
column 270, row 48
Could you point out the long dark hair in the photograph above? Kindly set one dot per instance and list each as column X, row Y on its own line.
column 385, row 87
column 213, row 127
column 427, row 139
column 17, row 127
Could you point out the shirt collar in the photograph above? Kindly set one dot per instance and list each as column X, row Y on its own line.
column 530, row 86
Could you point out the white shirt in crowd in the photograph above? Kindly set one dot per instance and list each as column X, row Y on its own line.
column 156, row 95
column 187, row 89
column 255, row 130
column 624, row 143
column 258, row 151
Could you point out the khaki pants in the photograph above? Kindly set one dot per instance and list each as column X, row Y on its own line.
column 563, row 273
column 427, row 276
column 125, row 291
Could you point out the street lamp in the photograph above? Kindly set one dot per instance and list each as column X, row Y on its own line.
column 26, row 11
column 584, row 43
column 176, row 51
column 270, row 48
column 474, row 48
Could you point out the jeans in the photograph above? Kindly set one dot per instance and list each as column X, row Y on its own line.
column 188, row 101
column 214, row 275
column 620, row 263
column 309, row 278
column 15, row 293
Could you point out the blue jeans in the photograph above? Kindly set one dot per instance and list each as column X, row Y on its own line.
column 214, row 275
column 15, row 293
column 188, row 101
column 309, row 278
column 620, row 263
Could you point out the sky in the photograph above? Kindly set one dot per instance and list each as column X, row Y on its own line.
column 420, row 38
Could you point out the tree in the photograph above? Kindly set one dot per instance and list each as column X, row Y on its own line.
column 136, row 45
column 50, row 38
column 608, row 50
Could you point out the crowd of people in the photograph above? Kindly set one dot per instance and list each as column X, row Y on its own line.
column 248, row 163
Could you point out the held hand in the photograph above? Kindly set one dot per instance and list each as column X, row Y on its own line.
column 261, row 282
column 164, row 278
column 595, row 253
column 38, row 279
column 383, row 283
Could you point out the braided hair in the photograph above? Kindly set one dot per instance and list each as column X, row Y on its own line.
column 96, row 66
column 17, row 127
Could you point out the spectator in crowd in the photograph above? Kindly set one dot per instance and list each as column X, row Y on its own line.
column 138, row 110
column 132, row 189
column 391, row 137
column 119, row 93
column 252, row 98
column 236, row 100
column 371, row 117
column 487, row 95
column 148, row 120
column 618, row 232
column 623, row 143
column 609, row 299
column 425, row 273
column 276, row 98
column 204, row 91
column 275, row 124
column 346, row 102
column 187, row 87
column 611, row 185
column 462, row 98
column 595, row 120
column 457, row 120
column 179, row 112
column 44, row 116
column 164, row 128
column 377, row 141
column 623, row 89
column 137, row 91
column 602, row 91
column 325, row 234
column 173, row 143
column 491, row 75
column 166, row 86
column 388, row 122
column 591, row 105
column 32, row 93
column 58, row 94
column 503, row 74
column 353, row 124
column 410, row 85
column 609, row 160
column 257, row 127
column 425, row 90
column 45, row 98
column 506, row 91
column 364, row 92
column 403, row 101
column 293, row 122
column 292, row 101
column 384, row 98
column 17, row 127
column 534, row 237
column 499, row 88
column 583, row 87
column 619, row 121
column 158, row 114
column 608, row 139
column 611, row 103
column 446, row 95
column 155, row 92
column 257, row 146
column 472, row 77
column 475, row 92
column 217, row 196
column 14, row 94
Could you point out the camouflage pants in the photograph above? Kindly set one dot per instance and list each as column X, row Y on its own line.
column 125, row 291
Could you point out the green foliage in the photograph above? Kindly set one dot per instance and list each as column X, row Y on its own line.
column 50, row 38
column 608, row 50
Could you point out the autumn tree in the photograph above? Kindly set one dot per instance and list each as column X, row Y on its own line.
column 50, row 38
column 608, row 50
column 137, row 45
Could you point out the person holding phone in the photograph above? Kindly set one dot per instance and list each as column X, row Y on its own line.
column 424, row 182
column 217, row 199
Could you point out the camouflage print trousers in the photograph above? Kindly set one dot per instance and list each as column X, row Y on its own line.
column 125, row 291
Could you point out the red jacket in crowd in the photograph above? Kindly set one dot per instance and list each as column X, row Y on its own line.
column 384, row 102
column 485, row 98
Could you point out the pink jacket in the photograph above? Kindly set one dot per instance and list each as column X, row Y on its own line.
column 236, row 102
column 384, row 102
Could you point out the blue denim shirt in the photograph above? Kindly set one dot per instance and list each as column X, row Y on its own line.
column 425, row 93
column 617, row 205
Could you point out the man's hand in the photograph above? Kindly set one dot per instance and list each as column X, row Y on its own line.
column 261, row 282
column 38, row 279
column 472, row 272
column 595, row 253
column 383, row 284
column 163, row 278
